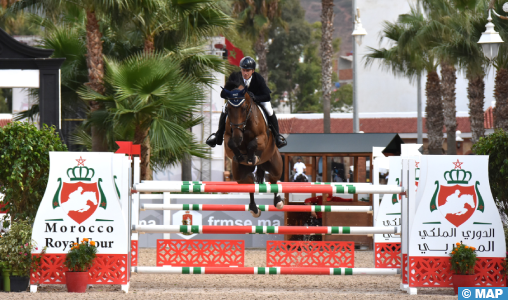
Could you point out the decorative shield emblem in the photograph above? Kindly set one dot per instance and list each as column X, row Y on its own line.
column 457, row 201
column 187, row 218
column 79, row 200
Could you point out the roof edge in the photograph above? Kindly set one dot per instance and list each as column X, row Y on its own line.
column 25, row 50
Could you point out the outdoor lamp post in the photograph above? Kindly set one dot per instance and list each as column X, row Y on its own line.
column 490, row 39
column 358, row 33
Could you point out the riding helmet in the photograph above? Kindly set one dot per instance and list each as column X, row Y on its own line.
column 248, row 63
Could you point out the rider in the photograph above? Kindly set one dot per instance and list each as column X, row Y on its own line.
column 259, row 93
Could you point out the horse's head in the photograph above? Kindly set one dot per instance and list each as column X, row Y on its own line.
column 239, row 110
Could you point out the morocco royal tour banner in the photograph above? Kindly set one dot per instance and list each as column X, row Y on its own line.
column 455, row 205
column 81, row 201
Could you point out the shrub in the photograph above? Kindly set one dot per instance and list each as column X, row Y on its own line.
column 81, row 256
column 16, row 248
column 463, row 259
column 496, row 147
column 24, row 157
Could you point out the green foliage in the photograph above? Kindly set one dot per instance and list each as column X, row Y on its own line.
column 288, row 73
column 496, row 147
column 5, row 101
column 24, row 153
column 16, row 248
column 17, row 23
column 342, row 98
column 164, row 104
column 463, row 259
column 81, row 256
column 287, row 47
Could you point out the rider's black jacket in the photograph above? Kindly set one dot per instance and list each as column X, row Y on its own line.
column 257, row 86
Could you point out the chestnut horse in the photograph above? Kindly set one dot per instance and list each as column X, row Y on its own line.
column 249, row 143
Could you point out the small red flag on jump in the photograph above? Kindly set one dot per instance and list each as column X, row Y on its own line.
column 128, row 148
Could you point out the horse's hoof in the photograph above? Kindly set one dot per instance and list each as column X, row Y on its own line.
column 280, row 204
column 255, row 215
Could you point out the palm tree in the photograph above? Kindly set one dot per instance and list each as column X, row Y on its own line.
column 501, row 89
column 160, row 106
column 434, row 33
column 184, row 24
column 181, row 22
column 408, row 58
column 465, row 24
column 501, row 81
column 255, row 19
column 326, row 59
column 94, row 58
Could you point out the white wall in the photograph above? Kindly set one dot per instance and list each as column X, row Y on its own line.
column 381, row 91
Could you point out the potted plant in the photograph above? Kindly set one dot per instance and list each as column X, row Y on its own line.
column 16, row 248
column 78, row 261
column 463, row 260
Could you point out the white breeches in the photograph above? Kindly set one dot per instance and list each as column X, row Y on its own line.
column 266, row 105
column 297, row 174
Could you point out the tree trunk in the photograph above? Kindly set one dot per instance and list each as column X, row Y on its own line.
column 261, row 51
column 476, row 96
column 326, row 59
column 186, row 167
column 142, row 138
column 448, row 80
column 95, row 64
column 149, row 46
column 501, row 96
column 434, row 113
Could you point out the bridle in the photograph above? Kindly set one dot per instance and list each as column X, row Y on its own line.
column 243, row 125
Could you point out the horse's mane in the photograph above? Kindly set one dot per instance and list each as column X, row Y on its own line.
column 232, row 84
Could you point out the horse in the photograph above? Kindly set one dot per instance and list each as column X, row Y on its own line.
column 249, row 143
column 301, row 178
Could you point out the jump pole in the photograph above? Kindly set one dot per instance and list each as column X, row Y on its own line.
column 228, row 207
column 264, row 271
column 209, row 229
column 269, row 188
column 235, row 183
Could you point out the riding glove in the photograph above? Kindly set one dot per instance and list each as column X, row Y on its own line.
column 252, row 96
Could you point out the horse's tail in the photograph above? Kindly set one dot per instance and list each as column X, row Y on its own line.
column 260, row 175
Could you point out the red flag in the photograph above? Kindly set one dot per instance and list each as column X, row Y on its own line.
column 235, row 55
column 128, row 148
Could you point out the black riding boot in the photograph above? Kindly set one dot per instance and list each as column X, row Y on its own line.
column 280, row 141
column 216, row 138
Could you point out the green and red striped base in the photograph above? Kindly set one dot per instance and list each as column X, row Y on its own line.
column 264, row 271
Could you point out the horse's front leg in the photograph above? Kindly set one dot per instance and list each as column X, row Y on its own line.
column 252, row 146
column 253, row 208
column 248, row 178
column 277, row 201
column 236, row 151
